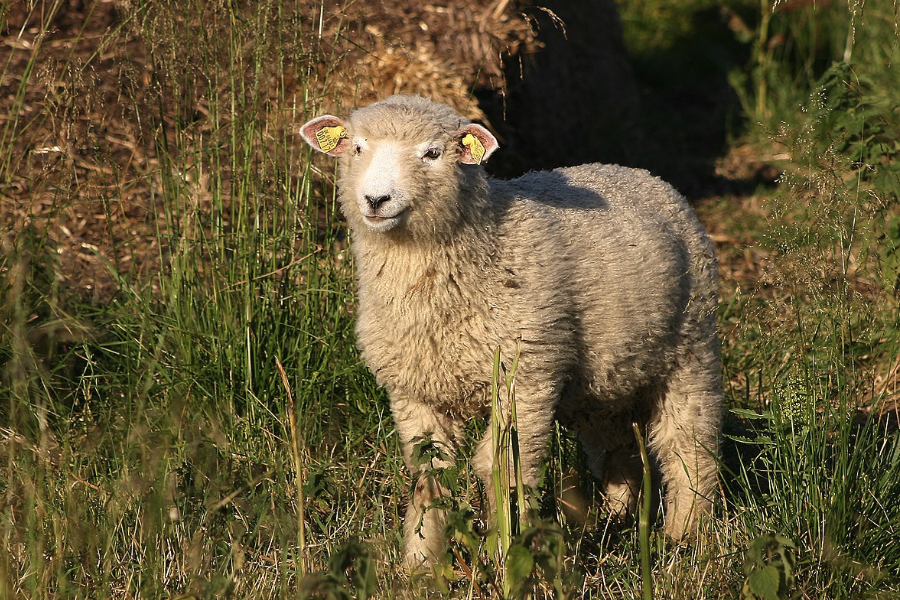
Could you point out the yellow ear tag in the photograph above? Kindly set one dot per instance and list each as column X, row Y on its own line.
column 330, row 137
column 476, row 148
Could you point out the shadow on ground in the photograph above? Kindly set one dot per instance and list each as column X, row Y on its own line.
column 669, row 109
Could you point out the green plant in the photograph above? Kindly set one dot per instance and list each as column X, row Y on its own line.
column 506, row 470
column 769, row 566
column 646, row 503
column 821, row 479
column 795, row 43
column 350, row 575
column 520, row 553
column 526, row 552
column 889, row 241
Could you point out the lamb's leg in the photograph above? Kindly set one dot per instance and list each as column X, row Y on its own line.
column 424, row 524
column 535, row 410
column 613, row 458
column 684, row 438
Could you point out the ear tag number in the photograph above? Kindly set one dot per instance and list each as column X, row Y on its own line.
column 476, row 148
column 330, row 137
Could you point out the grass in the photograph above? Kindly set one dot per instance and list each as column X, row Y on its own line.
column 206, row 429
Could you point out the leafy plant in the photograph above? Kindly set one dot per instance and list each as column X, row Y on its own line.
column 889, row 242
column 520, row 554
column 350, row 575
column 769, row 567
column 848, row 116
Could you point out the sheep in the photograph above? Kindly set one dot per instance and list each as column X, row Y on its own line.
column 600, row 276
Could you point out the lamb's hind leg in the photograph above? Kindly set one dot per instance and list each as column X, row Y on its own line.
column 684, row 437
column 535, row 404
column 613, row 458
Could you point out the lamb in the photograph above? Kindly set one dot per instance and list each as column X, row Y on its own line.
column 600, row 275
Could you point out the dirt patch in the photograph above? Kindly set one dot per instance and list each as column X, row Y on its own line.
column 74, row 165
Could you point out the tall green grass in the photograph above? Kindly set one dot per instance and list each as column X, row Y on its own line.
column 149, row 454
column 208, row 430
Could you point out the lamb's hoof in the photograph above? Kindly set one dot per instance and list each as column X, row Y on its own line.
column 621, row 501
column 416, row 564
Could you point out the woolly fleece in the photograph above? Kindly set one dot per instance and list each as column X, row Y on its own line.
column 601, row 276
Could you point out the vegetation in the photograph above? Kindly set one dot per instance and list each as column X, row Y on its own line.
column 201, row 427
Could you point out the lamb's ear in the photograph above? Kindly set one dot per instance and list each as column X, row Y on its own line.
column 327, row 134
column 476, row 144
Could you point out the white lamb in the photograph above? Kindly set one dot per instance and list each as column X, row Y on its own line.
column 601, row 274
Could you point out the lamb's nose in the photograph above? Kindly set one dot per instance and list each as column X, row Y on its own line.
column 376, row 201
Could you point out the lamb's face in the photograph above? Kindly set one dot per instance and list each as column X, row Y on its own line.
column 401, row 163
column 396, row 182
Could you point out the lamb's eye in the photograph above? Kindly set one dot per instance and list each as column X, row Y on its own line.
column 432, row 154
column 357, row 149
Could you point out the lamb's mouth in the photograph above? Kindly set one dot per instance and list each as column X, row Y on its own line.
column 383, row 222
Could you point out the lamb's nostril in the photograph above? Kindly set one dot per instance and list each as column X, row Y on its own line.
column 376, row 201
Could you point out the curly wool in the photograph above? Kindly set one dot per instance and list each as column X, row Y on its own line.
column 600, row 276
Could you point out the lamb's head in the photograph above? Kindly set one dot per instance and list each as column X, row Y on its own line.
column 405, row 162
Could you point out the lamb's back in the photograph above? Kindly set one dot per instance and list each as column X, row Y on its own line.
column 627, row 253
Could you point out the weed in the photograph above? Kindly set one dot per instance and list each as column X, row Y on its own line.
column 646, row 502
column 769, row 566
column 350, row 574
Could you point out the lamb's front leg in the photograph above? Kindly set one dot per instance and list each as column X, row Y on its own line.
column 429, row 442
